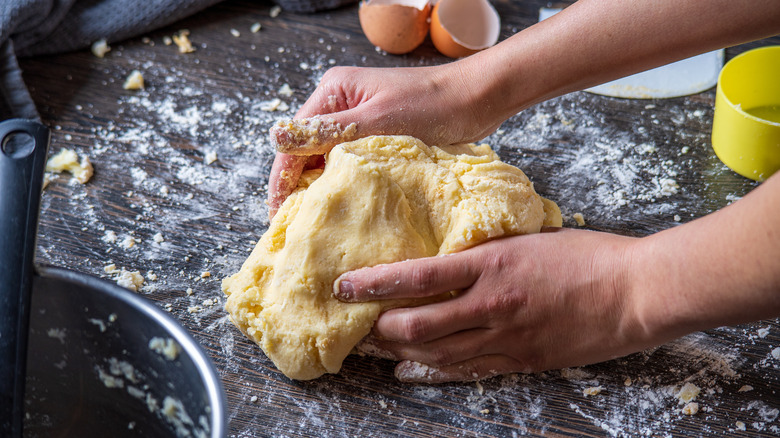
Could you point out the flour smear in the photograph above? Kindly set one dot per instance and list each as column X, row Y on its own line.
column 198, row 161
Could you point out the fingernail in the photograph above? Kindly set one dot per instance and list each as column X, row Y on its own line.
column 343, row 289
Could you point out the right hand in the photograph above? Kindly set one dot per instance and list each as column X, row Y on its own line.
column 557, row 299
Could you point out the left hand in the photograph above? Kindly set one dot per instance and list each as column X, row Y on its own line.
column 526, row 304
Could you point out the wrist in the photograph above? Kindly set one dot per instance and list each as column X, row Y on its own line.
column 666, row 302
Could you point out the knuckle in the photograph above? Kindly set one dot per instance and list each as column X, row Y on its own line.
column 423, row 279
column 413, row 329
column 441, row 356
column 501, row 303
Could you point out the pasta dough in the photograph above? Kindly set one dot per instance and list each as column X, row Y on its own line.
column 379, row 200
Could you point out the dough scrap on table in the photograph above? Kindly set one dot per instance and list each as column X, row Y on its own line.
column 379, row 200
column 68, row 161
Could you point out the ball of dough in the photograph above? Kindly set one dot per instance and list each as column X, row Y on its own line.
column 379, row 200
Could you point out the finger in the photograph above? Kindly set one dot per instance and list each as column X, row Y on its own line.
column 375, row 347
column 310, row 136
column 285, row 173
column 458, row 347
column 408, row 279
column 471, row 370
column 428, row 323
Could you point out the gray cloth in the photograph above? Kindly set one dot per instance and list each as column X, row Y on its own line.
column 36, row 27
column 311, row 5
column 40, row 27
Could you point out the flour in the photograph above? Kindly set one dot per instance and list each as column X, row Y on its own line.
column 614, row 175
column 626, row 175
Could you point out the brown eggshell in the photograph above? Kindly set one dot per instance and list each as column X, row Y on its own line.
column 396, row 27
column 463, row 27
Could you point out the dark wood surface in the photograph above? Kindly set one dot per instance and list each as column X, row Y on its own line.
column 606, row 158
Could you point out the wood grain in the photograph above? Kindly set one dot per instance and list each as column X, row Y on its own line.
column 208, row 226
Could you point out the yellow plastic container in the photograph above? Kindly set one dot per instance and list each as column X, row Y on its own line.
column 746, row 125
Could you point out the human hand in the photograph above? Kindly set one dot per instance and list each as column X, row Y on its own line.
column 430, row 103
column 526, row 303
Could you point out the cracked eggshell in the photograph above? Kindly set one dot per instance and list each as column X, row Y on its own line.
column 395, row 26
column 463, row 27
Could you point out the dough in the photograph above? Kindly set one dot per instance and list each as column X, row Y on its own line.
column 379, row 200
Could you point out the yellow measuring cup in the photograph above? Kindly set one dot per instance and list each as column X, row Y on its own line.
column 746, row 125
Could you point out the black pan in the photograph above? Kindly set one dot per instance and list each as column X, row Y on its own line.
column 81, row 356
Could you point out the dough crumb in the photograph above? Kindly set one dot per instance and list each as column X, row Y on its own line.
column 776, row 353
column 669, row 187
column 579, row 218
column 690, row 409
column 158, row 238
column 285, row 90
column 210, row 157
column 100, row 48
column 134, row 81
column 67, row 160
column 275, row 11
column 108, row 380
column 166, row 347
column 274, row 105
column 109, row 237
column 182, row 41
column 688, row 392
column 592, row 391
column 740, row 425
column 745, row 388
column 128, row 242
column 235, row 33
column 132, row 280
column 484, row 411
column 175, row 413
column 256, row 27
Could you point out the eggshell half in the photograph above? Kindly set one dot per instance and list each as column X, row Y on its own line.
column 395, row 26
column 463, row 27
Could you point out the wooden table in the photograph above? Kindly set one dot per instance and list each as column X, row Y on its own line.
column 629, row 166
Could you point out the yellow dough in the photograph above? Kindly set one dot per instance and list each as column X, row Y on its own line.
column 378, row 200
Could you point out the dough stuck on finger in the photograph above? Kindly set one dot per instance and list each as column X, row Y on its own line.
column 378, row 200
column 310, row 136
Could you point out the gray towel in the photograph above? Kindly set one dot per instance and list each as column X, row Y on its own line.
column 38, row 27
column 35, row 27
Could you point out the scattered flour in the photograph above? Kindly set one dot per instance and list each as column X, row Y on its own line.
column 176, row 123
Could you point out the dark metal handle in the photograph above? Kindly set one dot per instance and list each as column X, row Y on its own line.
column 23, row 148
